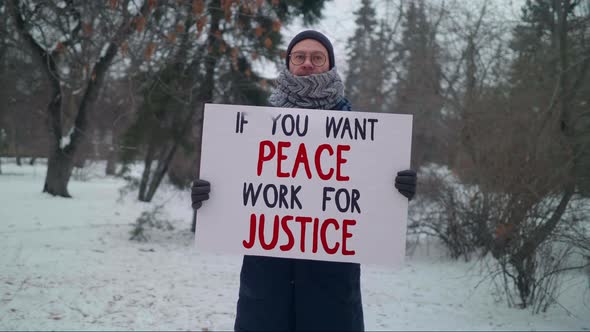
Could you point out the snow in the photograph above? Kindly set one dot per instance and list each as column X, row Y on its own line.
column 65, row 140
column 77, row 91
column 104, row 50
column 134, row 6
column 69, row 264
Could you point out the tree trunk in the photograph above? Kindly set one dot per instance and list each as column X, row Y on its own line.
column 164, row 163
column 111, row 162
column 32, row 161
column 18, row 161
column 59, row 170
column 112, row 152
column 525, row 280
column 60, row 161
column 207, row 95
column 79, row 162
column 147, row 170
column 155, row 182
column 162, row 169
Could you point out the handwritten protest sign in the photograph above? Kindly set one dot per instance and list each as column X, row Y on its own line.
column 307, row 184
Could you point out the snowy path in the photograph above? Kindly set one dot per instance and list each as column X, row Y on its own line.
column 68, row 264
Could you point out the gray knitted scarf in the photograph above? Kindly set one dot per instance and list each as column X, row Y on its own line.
column 317, row 91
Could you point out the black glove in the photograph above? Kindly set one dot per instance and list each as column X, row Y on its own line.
column 405, row 182
column 200, row 192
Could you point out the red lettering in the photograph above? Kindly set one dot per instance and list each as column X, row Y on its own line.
column 316, row 224
column 303, row 221
column 319, row 234
column 275, row 233
column 301, row 158
column 249, row 245
column 281, row 156
column 287, row 230
column 339, row 161
column 318, row 165
column 325, row 225
column 346, row 235
column 267, row 151
column 262, row 157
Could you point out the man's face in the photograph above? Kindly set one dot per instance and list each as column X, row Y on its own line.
column 311, row 50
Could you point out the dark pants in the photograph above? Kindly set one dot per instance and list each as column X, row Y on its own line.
column 291, row 294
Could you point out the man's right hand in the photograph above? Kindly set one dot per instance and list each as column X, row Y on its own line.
column 200, row 192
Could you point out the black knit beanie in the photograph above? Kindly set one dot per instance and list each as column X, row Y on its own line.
column 315, row 35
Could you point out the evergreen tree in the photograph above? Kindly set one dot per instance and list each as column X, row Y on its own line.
column 418, row 89
column 215, row 67
column 550, row 77
column 381, row 69
column 363, row 81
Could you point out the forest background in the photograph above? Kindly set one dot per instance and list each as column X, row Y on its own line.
column 500, row 99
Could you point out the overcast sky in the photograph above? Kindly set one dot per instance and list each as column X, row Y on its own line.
column 338, row 25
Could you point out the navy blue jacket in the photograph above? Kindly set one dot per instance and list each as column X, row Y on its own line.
column 282, row 294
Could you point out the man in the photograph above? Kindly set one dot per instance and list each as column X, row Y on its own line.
column 296, row 294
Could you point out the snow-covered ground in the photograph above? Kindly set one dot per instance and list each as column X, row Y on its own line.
column 68, row 264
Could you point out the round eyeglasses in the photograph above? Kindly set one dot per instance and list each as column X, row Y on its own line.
column 318, row 59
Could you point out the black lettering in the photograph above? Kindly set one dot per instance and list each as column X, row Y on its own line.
column 325, row 197
column 294, row 198
column 347, row 196
column 275, row 197
column 249, row 192
column 373, row 121
column 355, row 201
column 360, row 129
column 304, row 131
column 292, row 124
column 345, row 128
column 332, row 127
column 283, row 194
column 274, row 124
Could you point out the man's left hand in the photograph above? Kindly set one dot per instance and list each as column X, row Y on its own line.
column 405, row 182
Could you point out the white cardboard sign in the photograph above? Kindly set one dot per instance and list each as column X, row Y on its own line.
column 308, row 184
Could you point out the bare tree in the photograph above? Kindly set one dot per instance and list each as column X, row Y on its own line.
column 520, row 147
column 209, row 59
column 73, row 38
